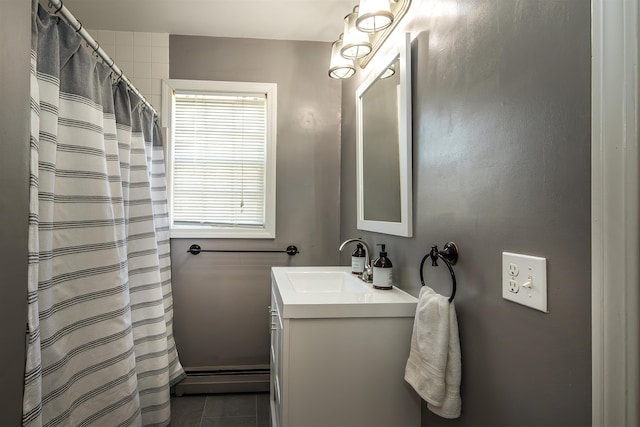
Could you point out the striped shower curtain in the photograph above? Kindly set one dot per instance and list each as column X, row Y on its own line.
column 100, row 344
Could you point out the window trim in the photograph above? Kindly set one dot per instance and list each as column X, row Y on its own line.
column 269, row 89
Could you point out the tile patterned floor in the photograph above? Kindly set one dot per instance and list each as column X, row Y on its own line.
column 220, row 410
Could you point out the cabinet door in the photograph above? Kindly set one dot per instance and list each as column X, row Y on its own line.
column 276, row 364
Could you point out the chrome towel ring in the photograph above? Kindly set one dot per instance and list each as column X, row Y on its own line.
column 449, row 254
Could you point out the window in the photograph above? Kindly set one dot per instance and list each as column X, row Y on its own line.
column 221, row 152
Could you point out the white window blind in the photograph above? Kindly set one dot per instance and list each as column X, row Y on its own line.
column 220, row 162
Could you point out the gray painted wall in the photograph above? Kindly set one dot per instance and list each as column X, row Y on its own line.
column 15, row 42
column 221, row 299
column 501, row 148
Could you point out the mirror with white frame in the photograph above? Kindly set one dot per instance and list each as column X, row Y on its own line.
column 384, row 143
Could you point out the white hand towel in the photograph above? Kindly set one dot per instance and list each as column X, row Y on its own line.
column 434, row 366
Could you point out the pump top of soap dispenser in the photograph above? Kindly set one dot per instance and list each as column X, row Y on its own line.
column 359, row 251
column 382, row 260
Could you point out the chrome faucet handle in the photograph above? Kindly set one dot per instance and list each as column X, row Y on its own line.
column 367, row 274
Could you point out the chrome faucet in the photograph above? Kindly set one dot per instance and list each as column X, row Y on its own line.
column 367, row 274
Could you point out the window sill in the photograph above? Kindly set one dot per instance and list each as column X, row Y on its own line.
column 220, row 233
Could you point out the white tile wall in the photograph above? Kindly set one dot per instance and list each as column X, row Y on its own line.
column 143, row 57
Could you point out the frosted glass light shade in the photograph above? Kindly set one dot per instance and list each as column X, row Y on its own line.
column 374, row 15
column 390, row 71
column 356, row 44
column 340, row 67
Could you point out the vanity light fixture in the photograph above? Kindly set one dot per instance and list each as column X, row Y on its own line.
column 340, row 67
column 390, row 71
column 365, row 30
column 374, row 15
column 356, row 43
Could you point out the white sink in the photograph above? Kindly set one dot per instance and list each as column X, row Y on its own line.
column 312, row 292
column 325, row 282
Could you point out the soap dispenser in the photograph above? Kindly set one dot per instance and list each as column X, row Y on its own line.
column 358, row 258
column 382, row 271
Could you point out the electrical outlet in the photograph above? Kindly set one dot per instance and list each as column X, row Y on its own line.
column 513, row 286
column 524, row 280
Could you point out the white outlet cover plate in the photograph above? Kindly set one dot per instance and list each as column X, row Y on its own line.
column 530, row 269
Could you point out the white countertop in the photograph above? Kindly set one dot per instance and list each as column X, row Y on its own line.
column 321, row 292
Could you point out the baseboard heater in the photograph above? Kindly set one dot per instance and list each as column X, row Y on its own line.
column 224, row 379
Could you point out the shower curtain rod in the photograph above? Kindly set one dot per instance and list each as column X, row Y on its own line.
column 93, row 44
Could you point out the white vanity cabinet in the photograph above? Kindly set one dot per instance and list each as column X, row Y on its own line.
column 275, row 388
column 337, row 363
